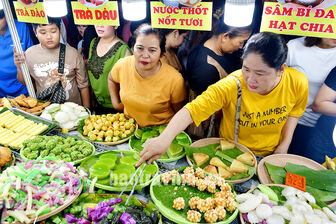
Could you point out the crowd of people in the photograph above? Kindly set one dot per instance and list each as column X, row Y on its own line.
column 255, row 88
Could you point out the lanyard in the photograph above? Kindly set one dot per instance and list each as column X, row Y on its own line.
column 238, row 106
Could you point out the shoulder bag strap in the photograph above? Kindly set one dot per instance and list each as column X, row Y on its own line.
column 238, row 106
column 61, row 59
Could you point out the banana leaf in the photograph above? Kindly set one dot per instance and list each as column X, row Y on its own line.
column 224, row 155
column 319, row 179
column 277, row 174
column 233, row 153
column 209, row 150
column 186, row 192
column 321, row 194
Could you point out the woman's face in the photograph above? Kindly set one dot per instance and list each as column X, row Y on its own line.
column 176, row 39
column 258, row 76
column 105, row 31
column 147, row 52
column 230, row 45
column 81, row 29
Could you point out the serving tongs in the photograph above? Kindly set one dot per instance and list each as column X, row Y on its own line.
column 136, row 182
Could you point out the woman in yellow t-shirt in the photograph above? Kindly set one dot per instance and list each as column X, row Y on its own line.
column 144, row 87
column 273, row 97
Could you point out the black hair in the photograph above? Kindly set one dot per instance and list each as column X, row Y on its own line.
column 270, row 46
column 2, row 14
column 220, row 27
column 312, row 41
column 168, row 31
column 146, row 29
column 51, row 20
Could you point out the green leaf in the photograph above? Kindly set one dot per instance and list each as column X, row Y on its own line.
column 321, row 194
column 146, row 135
column 238, row 176
column 233, row 153
column 81, row 124
column 223, row 155
column 269, row 192
column 277, row 173
column 319, row 179
column 208, row 150
column 278, row 190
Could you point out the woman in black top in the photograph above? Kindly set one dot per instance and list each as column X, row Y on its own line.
column 210, row 62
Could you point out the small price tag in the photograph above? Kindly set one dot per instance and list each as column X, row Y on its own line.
column 297, row 181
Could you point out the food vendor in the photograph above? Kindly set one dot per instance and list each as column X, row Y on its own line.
column 273, row 97
column 44, row 70
column 209, row 62
column 150, row 90
column 105, row 51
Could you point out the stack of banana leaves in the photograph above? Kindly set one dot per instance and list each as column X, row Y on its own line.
column 320, row 183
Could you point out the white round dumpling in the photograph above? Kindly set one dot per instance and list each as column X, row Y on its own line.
column 263, row 211
column 66, row 108
column 76, row 112
column 80, row 108
column 83, row 114
column 51, row 106
column 67, row 125
column 275, row 219
column 71, row 104
column 62, row 117
column 253, row 218
column 73, row 117
column 46, row 116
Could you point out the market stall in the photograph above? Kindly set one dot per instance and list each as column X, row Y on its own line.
column 63, row 163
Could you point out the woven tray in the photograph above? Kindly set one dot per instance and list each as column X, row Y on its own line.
column 282, row 160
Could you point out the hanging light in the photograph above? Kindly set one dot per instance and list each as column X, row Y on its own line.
column 134, row 10
column 173, row 3
column 239, row 13
column 55, row 8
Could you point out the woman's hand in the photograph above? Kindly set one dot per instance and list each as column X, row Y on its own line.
column 18, row 58
column 154, row 148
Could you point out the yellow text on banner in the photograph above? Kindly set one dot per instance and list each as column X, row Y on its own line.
column 198, row 17
column 104, row 15
column 35, row 14
column 301, row 21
